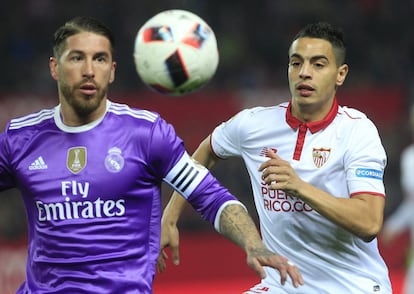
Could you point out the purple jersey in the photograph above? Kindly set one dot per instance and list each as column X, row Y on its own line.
column 92, row 196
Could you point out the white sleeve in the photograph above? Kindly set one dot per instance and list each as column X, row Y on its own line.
column 402, row 218
column 225, row 139
column 365, row 159
column 407, row 170
column 217, row 219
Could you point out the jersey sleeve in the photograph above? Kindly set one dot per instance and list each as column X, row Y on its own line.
column 402, row 218
column 225, row 139
column 200, row 188
column 407, row 171
column 365, row 160
column 192, row 180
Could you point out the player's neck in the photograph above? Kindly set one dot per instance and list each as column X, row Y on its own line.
column 310, row 113
column 78, row 117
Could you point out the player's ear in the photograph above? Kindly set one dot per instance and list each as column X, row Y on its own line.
column 341, row 75
column 112, row 77
column 53, row 68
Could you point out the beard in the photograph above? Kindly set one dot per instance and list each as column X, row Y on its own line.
column 82, row 105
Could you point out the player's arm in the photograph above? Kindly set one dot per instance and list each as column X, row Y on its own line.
column 237, row 225
column 176, row 205
column 361, row 214
column 232, row 221
column 400, row 220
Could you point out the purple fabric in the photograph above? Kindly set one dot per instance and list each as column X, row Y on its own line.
column 92, row 198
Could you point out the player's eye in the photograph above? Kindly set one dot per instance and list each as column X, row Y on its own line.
column 76, row 58
column 294, row 63
column 319, row 65
column 101, row 58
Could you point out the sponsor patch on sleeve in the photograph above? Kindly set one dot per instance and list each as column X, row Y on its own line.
column 369, row 173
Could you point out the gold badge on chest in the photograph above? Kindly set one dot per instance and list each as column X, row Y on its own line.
column 76, row 159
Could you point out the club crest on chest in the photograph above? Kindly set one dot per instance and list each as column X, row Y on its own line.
column 320, row 156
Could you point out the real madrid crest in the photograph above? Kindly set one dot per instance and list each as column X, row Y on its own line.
column 76, row 159
column 114, row 161
column 320, row 156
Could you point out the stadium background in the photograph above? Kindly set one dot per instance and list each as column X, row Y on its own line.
column 253, row 38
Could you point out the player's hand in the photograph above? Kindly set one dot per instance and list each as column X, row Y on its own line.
column 259, row 257
column 169, row 238
column 278, row 174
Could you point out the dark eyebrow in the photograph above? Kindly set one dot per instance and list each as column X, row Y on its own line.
column 103, row 53
column 317, row 57
column 97, row 54
column 313, row 58
column 76, row 52
column 296, row 55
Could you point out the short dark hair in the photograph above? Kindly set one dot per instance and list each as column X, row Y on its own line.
column 328, row 32
column 77, row 25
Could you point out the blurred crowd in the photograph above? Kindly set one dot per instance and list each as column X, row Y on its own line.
column 253, row 39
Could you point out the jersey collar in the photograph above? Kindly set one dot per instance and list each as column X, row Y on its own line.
column 69, row 129
column 314, row 126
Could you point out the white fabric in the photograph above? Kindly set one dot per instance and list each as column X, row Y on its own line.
column 403, row 218
column 344, row 159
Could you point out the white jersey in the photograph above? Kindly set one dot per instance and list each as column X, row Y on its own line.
column 342, row 155
column 402, row 219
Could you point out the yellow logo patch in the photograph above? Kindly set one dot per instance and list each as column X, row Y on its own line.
column 76, row 159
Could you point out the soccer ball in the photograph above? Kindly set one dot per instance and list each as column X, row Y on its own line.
column 176, row 52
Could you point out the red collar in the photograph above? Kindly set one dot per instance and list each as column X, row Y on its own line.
column 314, row 126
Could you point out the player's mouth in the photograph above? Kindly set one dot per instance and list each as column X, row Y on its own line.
column 305, row 90
column 88, row 89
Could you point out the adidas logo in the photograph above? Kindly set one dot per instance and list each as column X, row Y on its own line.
column 39, row 163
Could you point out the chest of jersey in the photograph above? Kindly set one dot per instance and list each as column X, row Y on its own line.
column 316, row 156
column 84, row 176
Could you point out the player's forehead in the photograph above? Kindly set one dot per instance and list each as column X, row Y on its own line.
column 87, row 42
column 308, row 48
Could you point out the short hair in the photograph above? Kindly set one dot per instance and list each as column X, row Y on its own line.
column 77, row 25
column 328, row 32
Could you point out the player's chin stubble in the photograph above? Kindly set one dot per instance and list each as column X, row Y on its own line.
column 82, row 105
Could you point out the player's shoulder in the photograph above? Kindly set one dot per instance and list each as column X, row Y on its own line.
column 261, row 111
column 356, row 123
column 32, row 120
column 120, row 109
column 351, row 113
column 353, row 116
column 408, row 153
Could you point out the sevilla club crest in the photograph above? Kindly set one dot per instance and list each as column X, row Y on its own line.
column 320, row 156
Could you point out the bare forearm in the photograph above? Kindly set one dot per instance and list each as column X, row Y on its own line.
column 361, row 215
column 237, row 225
column 174, row 209
column 204, row 155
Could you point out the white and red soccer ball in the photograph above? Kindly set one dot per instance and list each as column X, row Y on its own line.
column 176, row 52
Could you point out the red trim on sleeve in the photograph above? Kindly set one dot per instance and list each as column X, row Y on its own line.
column 370, row 193
column 212, row 150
